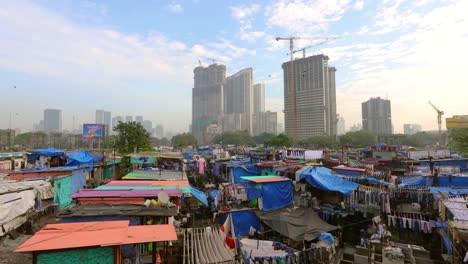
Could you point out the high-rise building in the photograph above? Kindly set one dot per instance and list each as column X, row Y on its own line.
column 377, row 116
column 207, row 98
column 52, row 120
column 238, row 98
column 104, row 118
column 128, row 119
column 139, row 119
column 355, row 127
column 265, row 122
column 148, row 125
column 259, row 98
column 410, row 129
column 311, row 109
column 340, row 126
column 115, row 121
column 159, row 131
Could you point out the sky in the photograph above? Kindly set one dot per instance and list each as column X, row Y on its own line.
column 137, row 57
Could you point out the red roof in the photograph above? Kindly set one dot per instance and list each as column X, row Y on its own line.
column 87, row 234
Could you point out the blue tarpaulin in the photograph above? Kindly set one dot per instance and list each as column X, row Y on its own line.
column 78, row 180
column 461, row 163
column 201, row 196
column 97, row 158
column 447, row 190
column 50, row 152
column 242, row 221
column 276, row 195
column 347, row 172
column 323, row 179
column 247, row 169
column 80, row 158
column 443, row 181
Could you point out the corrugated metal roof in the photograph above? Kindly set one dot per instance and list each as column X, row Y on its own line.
column 87, row 234
column 116, row 210
column 124, row 193
column 265, row 179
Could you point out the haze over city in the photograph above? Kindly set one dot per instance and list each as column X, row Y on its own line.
column 79, row 56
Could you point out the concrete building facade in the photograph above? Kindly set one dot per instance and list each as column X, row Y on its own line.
column 104, row 118
column 148, row 125
column 115, row 121
column 139, row 119
column 314, row 99
column 377, row 116
column 259, row 98
column 410, row 129
column 128, row 119
column 239, row 98
column 159, row 131
column 265, row 122
column 340, row 126
column 52, row 120
column 207, row 98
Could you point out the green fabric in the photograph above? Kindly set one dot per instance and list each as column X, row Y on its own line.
column 142, row 160
column 109, row 172
column 267, row 171
column 101, row 255
column 63, row 191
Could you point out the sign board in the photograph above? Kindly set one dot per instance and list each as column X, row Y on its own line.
column 93, row 131
column 457, row 122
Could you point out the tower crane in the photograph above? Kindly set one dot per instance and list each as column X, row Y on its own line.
column 308, row 47
column 439, row 121
column 213, row 60
column 292, row 90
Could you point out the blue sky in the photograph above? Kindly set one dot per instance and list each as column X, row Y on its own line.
column 137, row 57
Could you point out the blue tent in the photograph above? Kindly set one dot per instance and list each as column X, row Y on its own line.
column 242, row 221
column 323, row 179
column 81, row 158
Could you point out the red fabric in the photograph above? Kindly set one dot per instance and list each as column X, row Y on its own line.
column 230, row 242
column 222, row 228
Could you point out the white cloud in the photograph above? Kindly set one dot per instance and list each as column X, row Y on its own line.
column 359, row 5
column 175, row 8
column 305, row 16
column 244, row 12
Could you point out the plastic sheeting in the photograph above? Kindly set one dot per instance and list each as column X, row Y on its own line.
column 80, row 159
column 447, row 190
column 243, row 170
column 142, row 160
column 242, row 221
column 50, row 152
column 201, row 196
column 78, row 180
column 322, row 179
column 15, row 204
column 443, row 181
column 297, row 224
column 276, row 195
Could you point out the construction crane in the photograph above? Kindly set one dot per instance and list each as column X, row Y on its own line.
column 213, row 61
column 439, row 121
column 292, row 90
column 311, row 46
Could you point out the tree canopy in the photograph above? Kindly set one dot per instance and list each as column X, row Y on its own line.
column 281, row 140
column 319, row 142
column 459, row 140
column 131, row 136
column 260, row 139
column 358, row 139
column 238, row 138
column 184, row 140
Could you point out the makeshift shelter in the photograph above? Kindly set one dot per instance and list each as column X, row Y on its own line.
column 323, row 179
column 242, row 221
column 91, row 242
column 262, row 251
column 81, row 158
column 273, row 192
column 296, row 223
column 146, row 185
column 349, row 171
column 242, row 168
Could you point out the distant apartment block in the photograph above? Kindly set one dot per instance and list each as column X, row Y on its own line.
column 52, row 120
column 410, row 129
column 239, row 98
column 104, row 118
column 377, row 116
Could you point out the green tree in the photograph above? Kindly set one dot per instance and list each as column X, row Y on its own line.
column 131, row 136
column 184, row 140
column 281, row 140
column 358, row 139
column 238, row 138
column 319, row 142
column 260, row 139
column 459, row 140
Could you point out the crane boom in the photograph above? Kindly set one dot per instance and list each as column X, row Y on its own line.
column 439, row 121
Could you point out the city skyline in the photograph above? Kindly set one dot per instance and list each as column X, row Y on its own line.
column 94, row 55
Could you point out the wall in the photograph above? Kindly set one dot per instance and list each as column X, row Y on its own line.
column 101, row 255
column 63, row 191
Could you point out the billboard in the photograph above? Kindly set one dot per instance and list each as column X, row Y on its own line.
column 457, row 122
column 93, row 131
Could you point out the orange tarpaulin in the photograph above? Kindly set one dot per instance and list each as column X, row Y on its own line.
column 87, row 234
